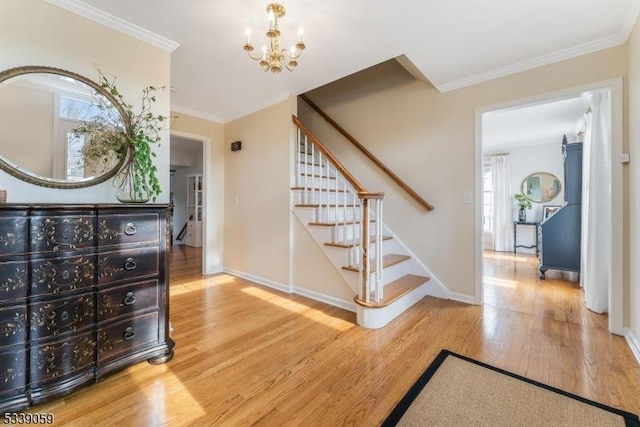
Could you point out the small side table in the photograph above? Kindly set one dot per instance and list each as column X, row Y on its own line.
column 534, row 224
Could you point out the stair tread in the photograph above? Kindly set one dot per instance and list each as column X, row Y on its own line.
column 395, row 290
column 352, row 243
column 387, row 261
column 317, row 176
column 311, row 164
column 334, row 224
column 317, row 205
column 330, row 190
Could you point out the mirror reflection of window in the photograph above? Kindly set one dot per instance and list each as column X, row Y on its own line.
column 68, row 160
column 75, row 162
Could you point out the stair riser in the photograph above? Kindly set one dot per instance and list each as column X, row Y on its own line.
column 324, row 197
column 348, row 233
column 338, row 215
column 313, row 169
column 312, row 182
column 351, row 256
column 393, row 272
column 336, row 234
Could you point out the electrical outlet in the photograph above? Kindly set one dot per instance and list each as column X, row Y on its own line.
column 625, row 158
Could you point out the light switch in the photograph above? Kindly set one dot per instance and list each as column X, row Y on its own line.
column 625, row 158
column 468, row 197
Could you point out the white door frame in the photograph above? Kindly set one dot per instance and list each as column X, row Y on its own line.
column 616, row 291
column 207, row 233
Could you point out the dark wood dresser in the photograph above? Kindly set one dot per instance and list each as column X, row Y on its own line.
column 84, row 292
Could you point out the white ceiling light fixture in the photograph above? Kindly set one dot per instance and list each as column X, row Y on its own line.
column 273, row 58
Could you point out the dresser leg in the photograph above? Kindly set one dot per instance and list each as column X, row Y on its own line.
column 159, row 360
column 542, row 274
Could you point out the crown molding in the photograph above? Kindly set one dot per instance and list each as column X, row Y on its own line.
column 540, row 61
column 630, row 20
column 115, row 23
column 197, row 114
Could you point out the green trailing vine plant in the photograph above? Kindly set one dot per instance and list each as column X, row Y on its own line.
column 135, row 139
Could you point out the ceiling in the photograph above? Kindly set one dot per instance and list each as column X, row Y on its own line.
column 533, row 124
column 452, row 43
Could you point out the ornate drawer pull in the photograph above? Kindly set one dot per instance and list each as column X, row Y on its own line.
column 64, row 316
column 129, row 264
column 130, row 229
column 129, row 299
column 66, row 235
column 128, row 334
column 66, row 274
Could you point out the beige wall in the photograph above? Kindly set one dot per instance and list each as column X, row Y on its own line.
column 34, row 32
column 633, row 85
column 214, row 172
column 428, row 138
column 257, row 213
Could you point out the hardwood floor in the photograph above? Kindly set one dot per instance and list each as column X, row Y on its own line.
column 246, row 354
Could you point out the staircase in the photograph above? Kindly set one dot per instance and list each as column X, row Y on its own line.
column 346, row 221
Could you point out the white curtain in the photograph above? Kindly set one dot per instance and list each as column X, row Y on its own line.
column 502, row 202
column 595, row 254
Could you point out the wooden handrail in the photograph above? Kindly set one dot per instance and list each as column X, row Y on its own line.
column 347, row 175
column 370, row 155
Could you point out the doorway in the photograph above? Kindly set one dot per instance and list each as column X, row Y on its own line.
column 615, row 312
column 187, row 197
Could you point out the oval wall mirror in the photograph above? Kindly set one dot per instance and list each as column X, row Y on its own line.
column 541, row 187
column 40, row 110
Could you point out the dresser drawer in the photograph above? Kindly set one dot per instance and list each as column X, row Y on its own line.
column 49, row 318
column 56, row 275
column 62, row 358
column 60, row 233
column 13, row 280
column 127, row 264
column 13, row 325
column 127, row 336
column 12, row 371
column 122, row 229
column 13, row 235
column 127, row 299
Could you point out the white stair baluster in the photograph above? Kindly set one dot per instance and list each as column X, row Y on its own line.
column 299, row 163
column 306, row 171
column 379, row 250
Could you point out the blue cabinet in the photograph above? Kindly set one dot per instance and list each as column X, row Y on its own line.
column 560, row 234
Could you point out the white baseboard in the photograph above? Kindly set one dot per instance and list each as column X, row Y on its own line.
column 214, row 270
column 259, row 280
column 633, row 342
column 327, row 299
column 467, row 299
column 317, row 296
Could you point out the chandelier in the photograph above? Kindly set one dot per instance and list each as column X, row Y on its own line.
column 273, row 58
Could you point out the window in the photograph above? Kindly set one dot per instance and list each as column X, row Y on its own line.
column 487, row 197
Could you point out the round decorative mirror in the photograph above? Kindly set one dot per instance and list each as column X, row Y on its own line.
column 541, row 187
column 42, row 111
